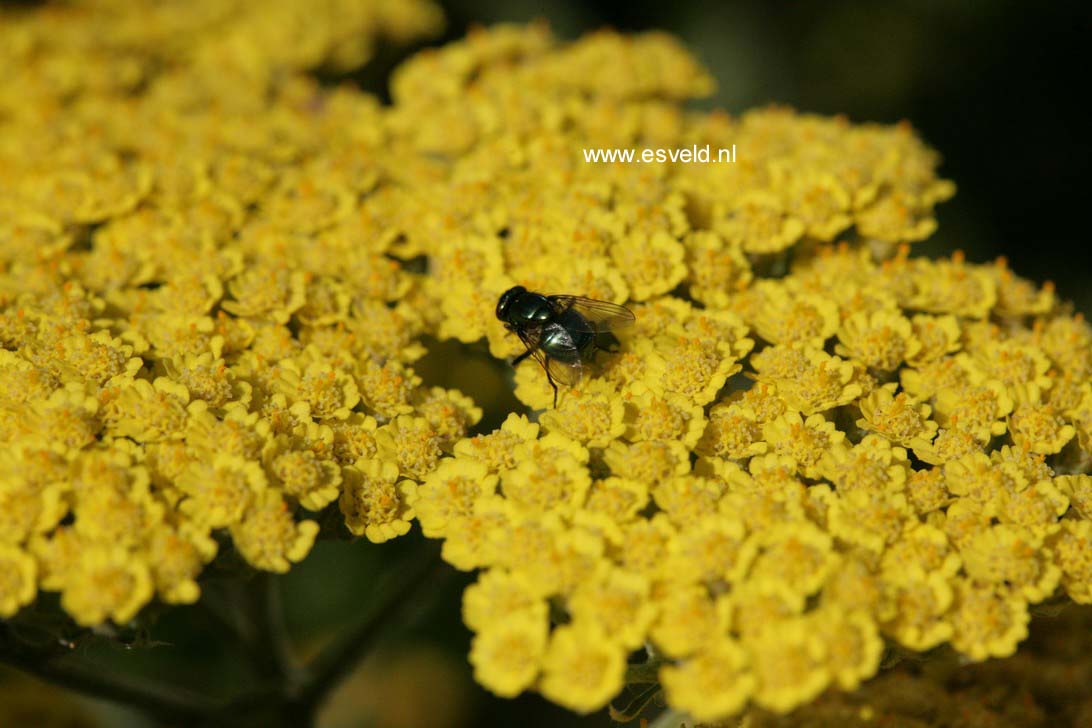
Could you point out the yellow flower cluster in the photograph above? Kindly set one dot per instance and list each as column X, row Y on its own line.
column 806, row 447
column 209, row 320
column 198, row 320
column 1045, row 683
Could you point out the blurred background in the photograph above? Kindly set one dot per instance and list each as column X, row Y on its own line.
column 994, row 86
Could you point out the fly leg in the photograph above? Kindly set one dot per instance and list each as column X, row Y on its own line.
column 521, row 357
column 550, row 379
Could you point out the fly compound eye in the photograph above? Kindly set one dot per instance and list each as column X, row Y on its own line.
column 505, row 301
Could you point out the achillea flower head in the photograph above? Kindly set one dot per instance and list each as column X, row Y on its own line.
column 809, row 442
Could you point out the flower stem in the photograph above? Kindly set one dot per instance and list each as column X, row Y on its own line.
column 395, row 606
column 270, row 645
column 168, row 703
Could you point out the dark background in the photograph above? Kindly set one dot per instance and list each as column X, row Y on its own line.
column 994, row 86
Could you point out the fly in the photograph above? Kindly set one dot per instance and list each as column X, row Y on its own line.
column 563, row 333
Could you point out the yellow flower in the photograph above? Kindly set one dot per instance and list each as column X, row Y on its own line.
column 590, row 414
column 758, row 223
column 924, row 547
column 896, row 217
column 450, row 491
column 950, row 286
column 267, row 535
column 220, row 488
column 651, row 265
column 687, row 499
column 1022, row 368
column 472, row 540
column 18, row 580
column 189, row 294
column 825, row 383
column 710, row 549
column 979, row 410
column 919, row 603
column 95, row 358
column 146, row 411
column 870, row 520
column 538, row 486
column 696, row 368
column 238, row 432
column 107, row 583
column 387, row 390
column 987, row 621
column 301, row 474
column 820, row 202
column 618, row 602
column 688, row 616
column 618, row 499
column 498, row 449
column 712, row 684
column 1071, row 548
column 855, row 585
column 498, row 596
column 265, row 290
column 647, row 461
column 804, row 440
column 68, row 419
column 937, row 335
column 928, row 378
column 853, row 645
column 897, row 417
column 756, row 604
column 785, row 317
column 411, row 443
column 22, row 381
column 176, row 557
column 553, row 557
column 789, row 662
column 373, row 502
column 450, row 412
column 764, row 399
column 733, row 431
column 644, row 544
column 925, row 490
column 508, row 656
column 872, row 465
column 1079, row 490
column 1037, row 508
column 582, row 669
column 881, row 340
column 717, row 269
column 32, row 488
column 976, row 477
column 801, row 555
column 650, row 416
column 353, row 438
column 1039, row 429
column 1020, row 297
column 1009, row 555
column 108, row 515
column 331, row 393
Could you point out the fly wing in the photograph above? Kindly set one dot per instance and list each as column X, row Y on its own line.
column 601, row 316
column 565, row 373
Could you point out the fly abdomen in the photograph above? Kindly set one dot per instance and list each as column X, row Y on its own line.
column 562, row 342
